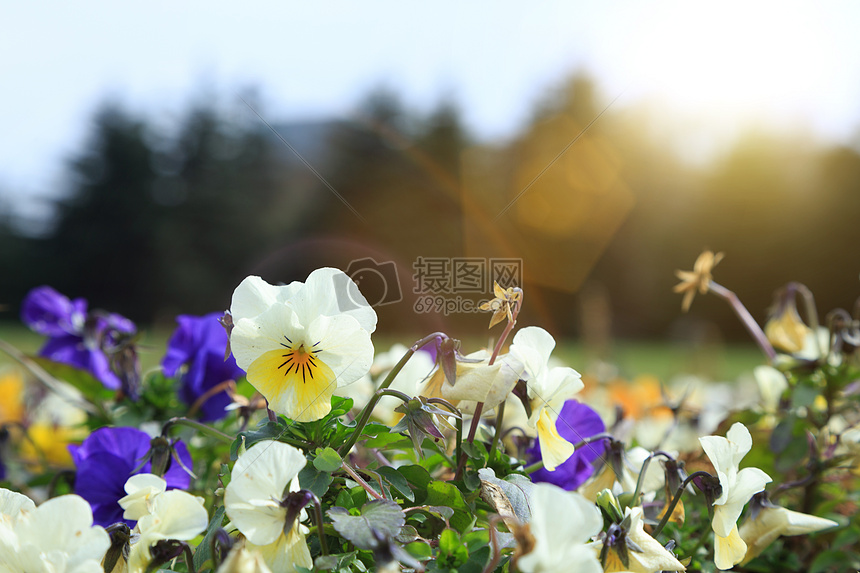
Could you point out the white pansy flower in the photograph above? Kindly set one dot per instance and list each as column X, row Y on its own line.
column 653, row 557
column 548, row 389
column 300, row 341
column 12, row 504
column 57, row 536
column 141, row 488
column 561, row 524
column 259, row 480
column 173, row 514
column 773, row 521
column 738, row 487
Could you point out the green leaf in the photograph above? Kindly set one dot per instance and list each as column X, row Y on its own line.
column 316, row 481
column 203, row 554
column 419, row 550
column 803, row 396
column 344, row 499
column 391, row 441
column 89, row 386
column 397, row 481
column 380, row 515
column 267, row 430
column 475, row 450
column 826, row 560
column 327, row 460
column 443, row 493
column 452, row 552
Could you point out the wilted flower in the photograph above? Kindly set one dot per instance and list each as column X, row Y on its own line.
column 698, row 279
column 297, row 345
column 106, row 460
column 548, row 389
column 769, row 521
column 56, row 536
column 502, row 306
column 199, row 342
column 575, row 423
column 422, row 419
column 738, row 486
column 554, row 540
column 255, row 503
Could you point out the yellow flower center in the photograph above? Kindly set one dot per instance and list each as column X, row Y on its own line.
column 300, row 359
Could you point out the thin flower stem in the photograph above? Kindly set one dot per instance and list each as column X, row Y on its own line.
column 479, row 408
column 641, row 479
column 318, row 514
column 534, row 467
column 189, row 558
column 368, row 409
column 494, row 543
column 746, row 319
column 500, row 416
column 360, row 481
column 203, row 428
column 669, row 510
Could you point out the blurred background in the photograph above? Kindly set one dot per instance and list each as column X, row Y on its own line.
column 153, row 156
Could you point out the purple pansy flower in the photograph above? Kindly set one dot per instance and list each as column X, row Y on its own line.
column 200, row 342
column 77, row 338
column 105, row 461
column 575, row 423
column 48, row 312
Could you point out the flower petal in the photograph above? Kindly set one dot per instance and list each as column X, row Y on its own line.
column 729, row 550
column 554, row 449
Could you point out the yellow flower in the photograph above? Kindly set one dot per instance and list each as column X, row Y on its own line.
column 698, row 279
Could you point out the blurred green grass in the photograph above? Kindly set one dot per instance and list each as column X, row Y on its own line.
column 631, row 358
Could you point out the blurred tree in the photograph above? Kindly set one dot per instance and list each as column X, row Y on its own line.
column 102, row 245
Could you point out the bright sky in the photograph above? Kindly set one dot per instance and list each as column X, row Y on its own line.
column 715, row 67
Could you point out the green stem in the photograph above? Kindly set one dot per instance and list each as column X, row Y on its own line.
column 479, row 408
column 641, row 479
column 368, row 409
column 675, row 501
column 189, row 558
column 203, row 428
column 318, row 514
column 360, row 481
column 534, row 467
column 500, row 416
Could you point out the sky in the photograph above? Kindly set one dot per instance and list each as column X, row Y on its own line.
column 713, row 67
